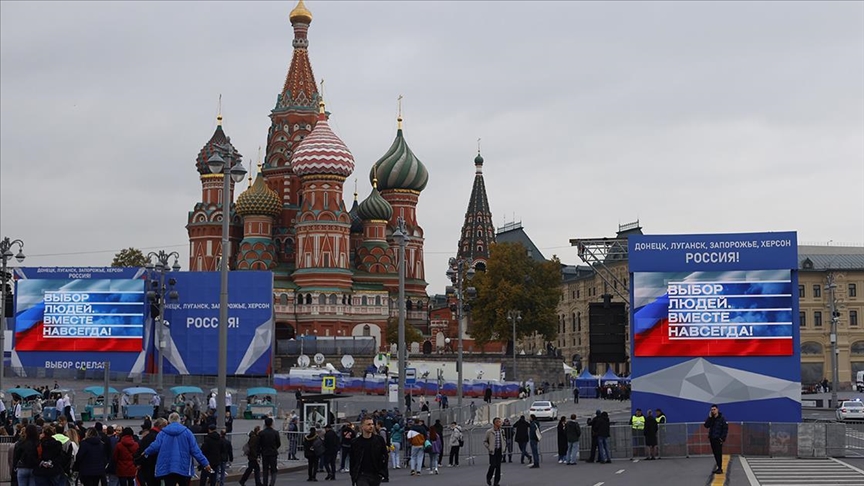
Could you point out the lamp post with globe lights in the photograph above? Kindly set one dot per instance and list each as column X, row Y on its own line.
column 401, row 237
column 232, row 170
column 158, row 262
column 514, row 316
column 6, row 246
column 460, row 270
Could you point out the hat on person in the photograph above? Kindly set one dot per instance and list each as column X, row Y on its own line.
column 211, row 427
column 597, row 412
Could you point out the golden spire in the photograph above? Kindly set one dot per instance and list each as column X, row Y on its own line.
column 250, row 174
column 478, row 146
column 260, row 164
column 219, row 112
column 375, row 176
column 300, row 14
column 355, row 188
column 399, row 112
column 320, row 94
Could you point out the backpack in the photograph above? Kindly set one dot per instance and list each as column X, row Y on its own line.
column 318, row 447
column 418, row 440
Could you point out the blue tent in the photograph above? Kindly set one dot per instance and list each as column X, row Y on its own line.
column 587, row 384
column 610, row 376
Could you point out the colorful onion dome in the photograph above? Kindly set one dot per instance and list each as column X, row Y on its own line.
column 259, row 199
column 322, row 152
column 375, row 206
column 219, row 139
column 300, row 14
column 399, row 168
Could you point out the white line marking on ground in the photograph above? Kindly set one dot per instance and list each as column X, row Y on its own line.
column 600, row 484
column 619, row 471
column 748, row 472
column 850, row 466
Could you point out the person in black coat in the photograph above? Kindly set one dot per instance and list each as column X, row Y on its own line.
column 331, row 449
column 25, row 458
column 211, row 447
column 90, row 462
column 650, row 432
column 561, row 430
column 51, row 462
column 268, row 448
column 520, row 429
column 147, row 465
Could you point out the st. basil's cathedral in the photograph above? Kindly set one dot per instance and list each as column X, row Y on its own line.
column 335, row 269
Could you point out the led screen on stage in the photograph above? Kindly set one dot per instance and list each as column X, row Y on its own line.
column 737, row 313
column 79, row 314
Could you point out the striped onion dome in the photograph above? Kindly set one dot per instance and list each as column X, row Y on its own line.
column 259, row 199
column 322, row 152
column 399, row 168
column 375, row 206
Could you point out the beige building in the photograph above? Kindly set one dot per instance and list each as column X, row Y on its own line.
column 846, row 266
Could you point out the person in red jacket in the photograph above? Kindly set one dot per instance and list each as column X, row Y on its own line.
column 123, row 457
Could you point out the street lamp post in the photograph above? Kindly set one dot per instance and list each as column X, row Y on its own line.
column 401, row 237
column 514, row 316
column 6, row 253
column 157, row 294
column 835, row 382
column 234, row 169
column 460, row 270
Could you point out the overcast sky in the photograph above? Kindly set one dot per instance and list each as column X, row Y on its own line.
column 692, row 117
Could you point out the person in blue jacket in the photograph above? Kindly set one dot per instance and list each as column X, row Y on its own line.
column 176, row 447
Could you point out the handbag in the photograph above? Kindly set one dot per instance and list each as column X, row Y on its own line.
column 539, row 435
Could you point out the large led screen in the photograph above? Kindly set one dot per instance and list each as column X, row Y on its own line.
column 737, row 313
column 79, row 314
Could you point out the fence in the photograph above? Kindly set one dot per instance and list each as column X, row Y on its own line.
column 329, row 346
column 98, row 376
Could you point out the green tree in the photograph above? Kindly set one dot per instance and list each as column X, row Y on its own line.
column 130, row 257
column 412, row 335
column 515, row 281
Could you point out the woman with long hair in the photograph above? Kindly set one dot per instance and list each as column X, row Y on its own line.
column 26, row 456
column 437, row 447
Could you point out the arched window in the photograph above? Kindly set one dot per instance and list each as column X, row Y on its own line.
column 333, row 299
column 811, row 348
column 322, row 299
column 408, row 304
column 283, row 299
column 367, row 331
column 378, row 300
column 308, row 299
column 857, row 348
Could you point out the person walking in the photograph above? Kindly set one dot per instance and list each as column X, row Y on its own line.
column 650, row 431
column 268, row 448
column 456, row 441
column 347, row 435
column 534, row 440
column 178, row 447
column 313, row 450
column 293, row 435
column 520, row 435
column 561, row 435
column 603, row 433
column 50, row 469
column 331, row 450
column 574, row 433
column 124, row 453
column 147, row 467
column 250, row 450
column 576, row 395
column 91, row 459
column 417, row 438
column 508, row 441
column 368, row 456
column 593, row 425
column 437, row 445
column 396, row 437
column 25, row 457
column 211, row 447
column 494, row 442
column 717, row 431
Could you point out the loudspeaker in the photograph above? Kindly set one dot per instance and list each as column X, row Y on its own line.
column 607, row 324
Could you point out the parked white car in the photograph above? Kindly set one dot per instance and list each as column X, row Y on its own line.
column 544, row 409
column 850, row 410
